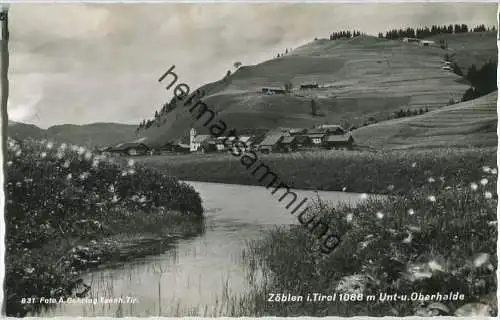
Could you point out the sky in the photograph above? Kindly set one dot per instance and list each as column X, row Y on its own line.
column 84, row 63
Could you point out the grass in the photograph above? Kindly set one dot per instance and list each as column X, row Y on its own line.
column 68, row 209
column 438, row 237
column 471, row 123
column 351, row 171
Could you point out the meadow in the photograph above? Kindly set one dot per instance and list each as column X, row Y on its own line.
column 381, row 172
column 69, row 210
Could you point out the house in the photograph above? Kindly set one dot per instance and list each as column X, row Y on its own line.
column 332, row 128
column 316, row 135
column 296, row 131
column 273, row 91
column 130, row 148
column 427, row 43
column 406, row 39
column 338, row 142
column 288, row 144
column 309, row 86
column 270, row 142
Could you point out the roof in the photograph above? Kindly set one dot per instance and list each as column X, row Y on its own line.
column 201, row 138
column 330, row 126
column 318, row 135
column 127, row 145
column 287, row 140
column 274, row 88
column 183, row 145
column 271, row 139
column 337, row 138
column 245, row 139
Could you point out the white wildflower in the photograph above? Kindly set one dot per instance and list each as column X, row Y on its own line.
column 81, row 150
column 66, row 164
column 111, row 188
column 481, row 259
column 60, row 155
column 380, row 215
column 411, row 212
column 432, row 198
column 9, row 163
column 43, row 155
column 484, row 181
column 131, row 171
column 88, row 155
column 414, row 164
column 349, row 217
column 84, row 175
column 63, row 146
column 143, row 199
column 488, row 195
column 492, row 223
column 124, row 173
column 18, row 184
column 29, row 270
column 115, row 199
column 363, row 196
column 18, row 153
column 50, row 144
column 493, row 171
column 435, row 266
column 473, row 186
column 486, row 169
column 431, row 180
column 344, row 188
column 390, row 187
column 408, row 239
column 69, row 176
column 131, row 162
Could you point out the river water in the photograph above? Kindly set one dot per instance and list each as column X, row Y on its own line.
column 192, row 277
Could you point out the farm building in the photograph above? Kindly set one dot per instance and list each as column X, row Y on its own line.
column 338, row 142
column 406, row 39
column 129, row 148
column 332, row 128
column 273, row 91
column 427, row 43
column 288, row 144
column 309, row 86
column 271, row 142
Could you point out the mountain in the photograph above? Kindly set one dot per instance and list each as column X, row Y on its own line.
column 90, row 135
column 468, row 124
column 362, row 78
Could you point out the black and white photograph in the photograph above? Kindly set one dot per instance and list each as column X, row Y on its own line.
column 249, row 159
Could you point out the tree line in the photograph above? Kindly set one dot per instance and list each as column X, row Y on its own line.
column 432, row 31
column 345, row 34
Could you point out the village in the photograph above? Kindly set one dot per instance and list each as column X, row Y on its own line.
column 284, row 140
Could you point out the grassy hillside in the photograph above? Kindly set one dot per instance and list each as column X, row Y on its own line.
column 471, row 123
column 89, row 135
column 363, row 77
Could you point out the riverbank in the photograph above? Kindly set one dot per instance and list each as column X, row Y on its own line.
column 383, row 172
column 438, row 237
column 69, row 210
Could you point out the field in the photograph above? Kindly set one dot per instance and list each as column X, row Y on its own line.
column 361, row 78
column 350, row 171
column 467, row 124
column 69, row 210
